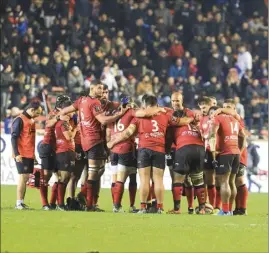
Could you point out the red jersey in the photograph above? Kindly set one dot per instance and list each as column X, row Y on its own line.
column 119, row 126
column 49, row 136
column 152, row 131
column 244, row 154
column 90, row 127
column 62, row 144
column 228, row 131
column 189, row 134
column 26, row 141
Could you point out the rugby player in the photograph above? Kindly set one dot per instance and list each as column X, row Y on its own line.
column 189, row 157
column 23, row 147
column 242, row 190
column 91, row 117
column 205, row 124
column 231, row 143
column 151, row 152
column 47, row 154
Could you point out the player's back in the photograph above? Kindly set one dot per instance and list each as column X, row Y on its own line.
column 152, row 131
column 49, row 136
column 228, row 132
column 119, row 126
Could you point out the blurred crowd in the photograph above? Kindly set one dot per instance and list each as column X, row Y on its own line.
column 136, row 46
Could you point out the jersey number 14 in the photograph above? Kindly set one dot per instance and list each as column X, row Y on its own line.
column 234, row 128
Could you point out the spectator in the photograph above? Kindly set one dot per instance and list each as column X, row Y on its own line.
column 239, row 107
column 75, row 82
column 190, row 92
column 215, row 65
column 17, row 90
column 145, row 86
column 164, row 13
column 6, row 80
column 176, row 50
column 244, row 60
column 10, row 116
column 108, row 79
column 83, row 10
column 33, row 66
column 253, row 90
column 178, row 69
column 131, row 87
column 22, row 26
column 200, row 28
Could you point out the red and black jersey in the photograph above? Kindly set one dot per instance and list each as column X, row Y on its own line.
column 62, row 144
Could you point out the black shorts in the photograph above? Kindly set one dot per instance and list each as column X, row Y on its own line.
column 97, row 152
column 241, row 170
column 228, row 163
column 208, row 161
column 170, row 158
column 150, row 158
column 26, row 166
column 128, row 159
column 48, row 157
column 80, row 154
column 66, row 161
column 189, row 159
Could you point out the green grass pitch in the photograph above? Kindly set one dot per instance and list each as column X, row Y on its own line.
column 56, row 231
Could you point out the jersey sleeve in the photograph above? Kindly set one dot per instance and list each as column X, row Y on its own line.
column 75, row 104
column 135, row 121
column 17, row 127
column 217, row 121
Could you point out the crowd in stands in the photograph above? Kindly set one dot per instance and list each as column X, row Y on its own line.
column 136, row 47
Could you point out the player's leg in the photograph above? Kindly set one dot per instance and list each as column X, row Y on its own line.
column 132, row 188
column 234, row 171
column 218, row 197
column 95, row 165
column 223, row 172
column 189, row 192
column 210, row 174
column 242, row 192
column 114, row 158
column 25, row 168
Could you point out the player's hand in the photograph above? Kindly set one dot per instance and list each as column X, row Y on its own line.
column 18, row 159
column 110, row 144
column 215, row 164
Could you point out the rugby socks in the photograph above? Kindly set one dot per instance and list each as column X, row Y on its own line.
column 211, row 190
column 90, row 193
column 54, row 192
column 242, row 193
column 190, row 195
column 230, row 206
column 200, row 193
column 153, row 196
column 132, row 189
column 225, row 207
column 44, row 194
column 160, row 206
column 83, row 189
column 61, row 193
column 119, row 189
column 218, row 197
column 96, row 192
column 112, row 191
column 143, row 205
column 177, row 190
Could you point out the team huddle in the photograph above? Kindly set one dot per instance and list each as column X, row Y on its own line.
column 205, row 152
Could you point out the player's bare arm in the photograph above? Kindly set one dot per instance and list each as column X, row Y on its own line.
column 149, row 112
column 67, row 110
column 227, row 111
column 184, row 121
column 105, row 120
column 52, row 119
column 213, row 139
column 108, row 134
column 69, row 133
column 126, row 134
column 242, row 140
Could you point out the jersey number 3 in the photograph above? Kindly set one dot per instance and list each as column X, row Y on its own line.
column 155, row 127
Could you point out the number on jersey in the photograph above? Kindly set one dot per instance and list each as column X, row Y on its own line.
column 155, row 127
column 234, row 128
column 118, row 126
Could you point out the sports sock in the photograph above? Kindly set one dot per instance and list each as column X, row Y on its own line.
column 143, row 205
column 243, row 196
column 90, row 193
column 44, row 194
column 54, row 193
column 160, row 205
column 200, row 193
column 19, row 202
column 225, row 207
column 218, row 198
column 177, row 190
column 119, row 189
column 132, row 192
column 83, row 189
column 61, row 193
column 112, row 191
column 190, row 195
column 231, row 206
column 211, row 190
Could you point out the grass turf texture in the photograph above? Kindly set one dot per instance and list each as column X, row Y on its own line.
column 56, row 231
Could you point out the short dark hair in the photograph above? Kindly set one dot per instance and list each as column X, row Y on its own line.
column 96, row 82
column 151, row 100
column 229, row 101
column 144, row 97
column 65, row 103
column 105, row 87
column 35, row 103
column 204, row 101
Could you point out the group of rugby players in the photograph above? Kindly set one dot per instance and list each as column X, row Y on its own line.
column 205, row 152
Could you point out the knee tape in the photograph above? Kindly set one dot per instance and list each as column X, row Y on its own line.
column 197, row 178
